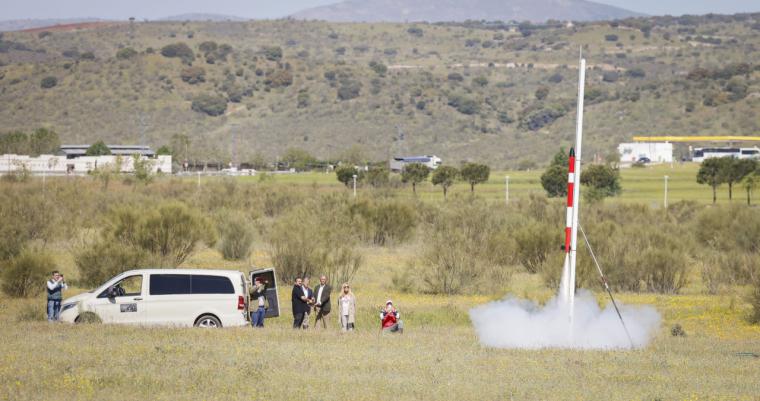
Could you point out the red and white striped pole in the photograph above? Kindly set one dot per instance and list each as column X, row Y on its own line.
column 570, row 200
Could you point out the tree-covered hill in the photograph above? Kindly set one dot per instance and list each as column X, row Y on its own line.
column 491, row 92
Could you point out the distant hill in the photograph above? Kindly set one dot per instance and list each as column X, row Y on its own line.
column 459, row 10
column 470, row 90
column 22, row 24
column 203, row 17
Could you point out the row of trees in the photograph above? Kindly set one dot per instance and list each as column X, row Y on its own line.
column 728, row 170
column 41, row 141
column 415, row 173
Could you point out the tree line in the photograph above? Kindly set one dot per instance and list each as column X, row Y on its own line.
column 728, row 170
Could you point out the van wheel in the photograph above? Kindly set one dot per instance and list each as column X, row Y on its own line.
column 87, row 318
column 208, row 321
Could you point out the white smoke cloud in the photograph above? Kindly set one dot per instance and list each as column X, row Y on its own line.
column 514, row 323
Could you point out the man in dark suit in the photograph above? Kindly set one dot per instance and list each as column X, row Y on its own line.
column 299, row 302
column 322, row 302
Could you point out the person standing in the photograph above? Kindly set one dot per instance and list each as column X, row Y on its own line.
column 322, row 302
column 347, row 306
column 299, row 303
column 55, row 287
column 257, row 304
column 309, row 302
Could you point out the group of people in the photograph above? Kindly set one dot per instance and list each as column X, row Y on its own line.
column 306, row 301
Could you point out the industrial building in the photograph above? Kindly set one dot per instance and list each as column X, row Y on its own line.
column 654, row 152
column 71, row 159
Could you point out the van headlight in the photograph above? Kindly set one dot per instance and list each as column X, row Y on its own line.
column 68, row 306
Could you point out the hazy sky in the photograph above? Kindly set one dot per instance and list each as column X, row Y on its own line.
column 151, row 9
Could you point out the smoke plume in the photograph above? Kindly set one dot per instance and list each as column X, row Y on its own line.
column 514, row 323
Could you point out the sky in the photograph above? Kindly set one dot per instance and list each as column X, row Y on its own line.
column 152, row 9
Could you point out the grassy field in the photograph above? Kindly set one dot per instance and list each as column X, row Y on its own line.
column 640, row 185
column 438, row 357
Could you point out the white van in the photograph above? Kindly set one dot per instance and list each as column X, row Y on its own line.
column 176, row 297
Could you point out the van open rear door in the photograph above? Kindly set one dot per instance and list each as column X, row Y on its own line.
column 272, row 295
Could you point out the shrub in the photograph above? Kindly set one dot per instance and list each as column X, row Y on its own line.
column 349, row 89
column 480, row 81
column 107, row 258
column 754, row 300
column 345, row 174
column 126, row 53
column 534, row 243
column 455, row 76
column 463, row 104
column 236, row 236
column 385, row 222
column 611, row 38
column 603, row 178
column 445, row 177
column 636, row 72
column 610, row 76
column 48, row 82
column 378, row 67
column 279, row 78
column 179, row 50
column 26, row 216
column 315, row 238
column 272, row 53
column 376, row 177
column 415, row 31
column 193, row 75
column 542, row 117
column 25, row 274
column 172, row 232
column 474, row 173
column 213, row 105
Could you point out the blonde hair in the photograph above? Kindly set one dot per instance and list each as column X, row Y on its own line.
column 345, row 285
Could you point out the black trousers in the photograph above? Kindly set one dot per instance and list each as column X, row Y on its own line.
column 298, row 320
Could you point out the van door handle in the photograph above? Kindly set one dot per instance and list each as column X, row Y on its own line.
column 137, row 299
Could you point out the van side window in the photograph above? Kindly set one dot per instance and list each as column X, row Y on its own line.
column 202, row 284
column 126, row 287
column 169, row 284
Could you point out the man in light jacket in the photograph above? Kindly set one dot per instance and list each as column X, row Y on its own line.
column 322, row 302
column 257, row 304
column 55, row 287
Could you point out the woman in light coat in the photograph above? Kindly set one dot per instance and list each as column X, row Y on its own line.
column 347, row 308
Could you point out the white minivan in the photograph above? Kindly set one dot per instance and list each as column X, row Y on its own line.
column 175, row 297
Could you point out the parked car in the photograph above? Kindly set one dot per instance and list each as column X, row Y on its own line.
column 644, row 160
column 174, row 297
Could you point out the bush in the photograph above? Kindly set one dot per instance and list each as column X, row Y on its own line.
column 534, row 242
column 107, row 258
column 754, row 300
column 602, row 178
column 26, row 216
column 315, row 238
column 172, row 232
column 193, row 75
column 48, row 82
column 236, row 236
column 126, row 53
column 98, row 148
column 464, row 105
column 542, row 117
column 455, row 76
column 385, row 222
column 278, row 78
column 272, row 53
column 213, row 105
column 610, row 76
column 349, row 89
column 378, row 67
column 611, row 38
column 179, row 50
column 25, row 275
column 542, row 92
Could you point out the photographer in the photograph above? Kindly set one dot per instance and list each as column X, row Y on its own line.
column 55, row 287
column 258, row 302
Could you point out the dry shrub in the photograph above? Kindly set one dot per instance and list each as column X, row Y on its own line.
column 385, row 222
column 457, row 255
column 105, row 259
column 25, row 274
column 236, row 236
column 315, row 238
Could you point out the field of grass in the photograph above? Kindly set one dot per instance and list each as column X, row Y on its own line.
column 640, row 185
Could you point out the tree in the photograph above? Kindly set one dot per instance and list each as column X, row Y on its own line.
column 193, row 75
column 377, row 177
column 445, row 177
column 733, row 170
column 15, row 142
column 179, row 50
column 542, row 92
column 44, row 141
column 475, row 173
column 554, row 178
column 415, row 173
column 164, row 150
column 750, row 182
column 98, row 148
column 602, row 179
column 345, row 174
column 710, row 174
column 299, row 159
column 213, row 105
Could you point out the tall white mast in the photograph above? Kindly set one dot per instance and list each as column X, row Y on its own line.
column 577, row 186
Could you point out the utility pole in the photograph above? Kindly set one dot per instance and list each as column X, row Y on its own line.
column 354, row 186
column 506, row 191
column 665, row 201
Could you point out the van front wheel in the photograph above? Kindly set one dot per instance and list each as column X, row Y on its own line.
column 208, row 321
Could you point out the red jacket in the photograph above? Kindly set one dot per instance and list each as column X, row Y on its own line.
column 389, row 319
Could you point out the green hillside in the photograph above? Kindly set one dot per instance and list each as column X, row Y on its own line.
column 496, row 93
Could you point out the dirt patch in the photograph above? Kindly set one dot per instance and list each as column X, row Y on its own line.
column 71, row 27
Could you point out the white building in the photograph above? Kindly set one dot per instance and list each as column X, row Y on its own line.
column 397, row 164
column 656, row 152
column 59, row 164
